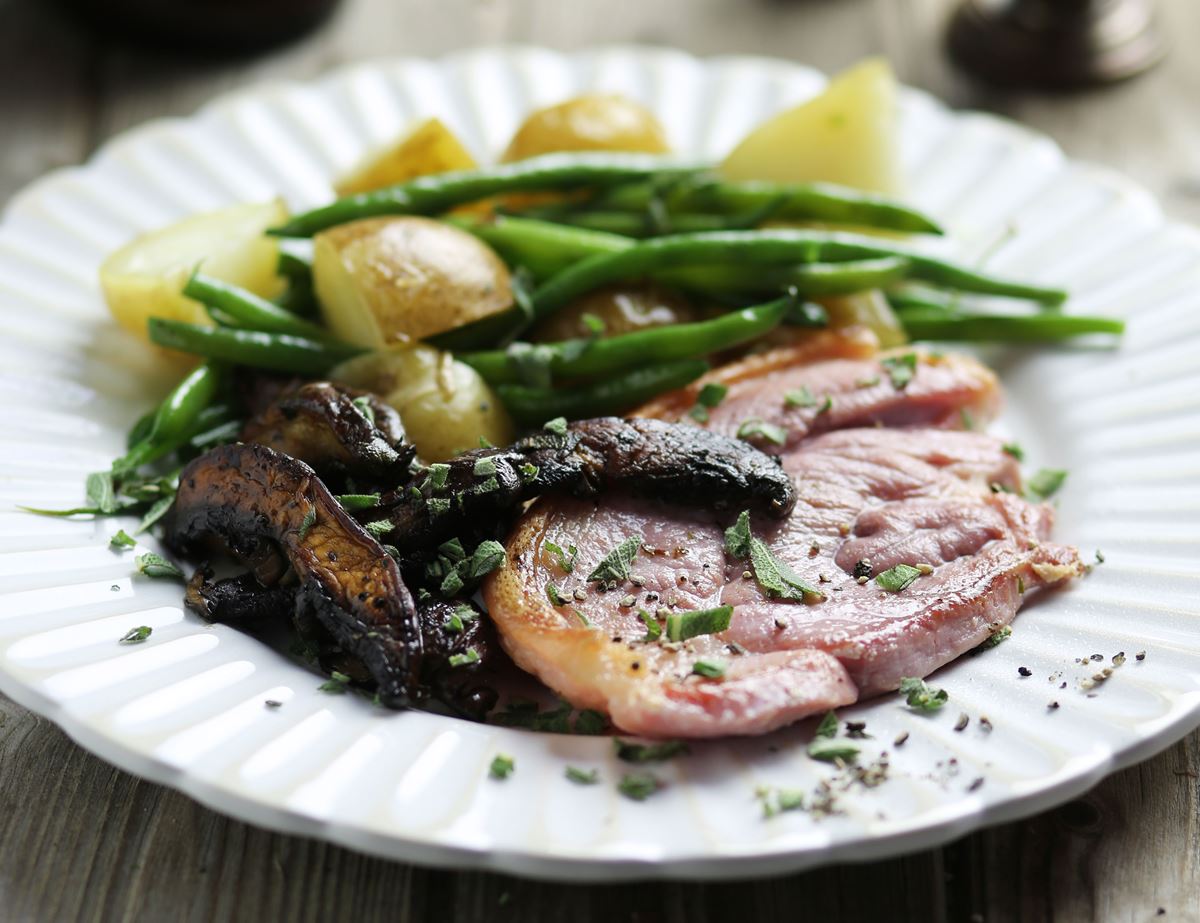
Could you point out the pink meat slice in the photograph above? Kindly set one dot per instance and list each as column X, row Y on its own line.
column 934, row 498
column 805, row 400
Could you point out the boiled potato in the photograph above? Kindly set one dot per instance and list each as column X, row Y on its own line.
column 144, row 277
column 869, row 309
column 623, row 309
column 382, row 281
column 846, row 135
column 445, row 405
column 592, row 122
column 430, row 147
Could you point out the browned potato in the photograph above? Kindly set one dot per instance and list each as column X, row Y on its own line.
column 395, row 280
column 623, row 309
column 592, row 122
column 861, row 311
column 430, row 147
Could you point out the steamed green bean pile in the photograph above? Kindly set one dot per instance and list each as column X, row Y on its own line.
column 612, row 219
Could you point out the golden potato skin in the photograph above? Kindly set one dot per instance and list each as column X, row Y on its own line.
column 624, row 309
column 391, row 280
column 592, row 122
column 429, row 147
column 444, row 404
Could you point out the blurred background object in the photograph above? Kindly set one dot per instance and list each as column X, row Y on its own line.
column 1055, row 43
column 212, row 26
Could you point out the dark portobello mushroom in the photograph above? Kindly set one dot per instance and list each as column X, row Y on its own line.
column 674, row 462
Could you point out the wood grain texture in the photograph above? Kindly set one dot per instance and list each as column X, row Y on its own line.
column 80, row 840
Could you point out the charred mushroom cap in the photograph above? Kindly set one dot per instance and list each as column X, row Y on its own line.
column 674, row 462
column 453, row 627
column 237, row 599
column 243, row 494
column 334, row 429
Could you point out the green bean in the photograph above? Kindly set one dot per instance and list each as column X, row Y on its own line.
column 248, row 310
column 428, row 195
column 643, row 347
column 636, row 224
column 1004, row 328
column 810, row 279
column 280, row 352
column 614, row 395
column 775, row 201
column 764, row 247
column 295, row 259
column 175, row 418
column 541, row 247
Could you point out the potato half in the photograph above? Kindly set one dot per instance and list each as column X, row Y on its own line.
column 846, row 135
column 144, row 278
column 430, row 147
column 445, row 405
column 592, row 122
column 383, row 281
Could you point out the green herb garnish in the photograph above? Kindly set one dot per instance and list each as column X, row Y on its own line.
column 583, row 776
column 999, row 636
column 566, row 559
column 632, row 752
column 100, row 492
column 122, row 539
column 556, row 598
column 461, row 660
column 709, row 669
column 777, row 578
column 154, row 565
column 895, row 579
column 639, row 785
column 310, row 519
column 777, row 800
column 556, row 427
column 438, row 473
column 502, row 766
column 900, row 369
column 653, row 627
column 136, row 635
column 614, row 566
column 1011, row 448
column 336, row 684
column 755, row 427
column 1045, row 483
column 484, row 468
column 684, row 625
column 829, row 750
column 799, row 397
column 920, row 696
column 828, row 726
column 363, row 406
column 737, row 536
column 358, row 501
column 709, row 397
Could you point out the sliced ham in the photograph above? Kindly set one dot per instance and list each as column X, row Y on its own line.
column 947, row 501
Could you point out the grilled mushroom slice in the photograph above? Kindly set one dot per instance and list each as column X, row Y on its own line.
column 335, row 430
column 674, row 462
column 460, row 643
column 244, row 494
column 237, row 599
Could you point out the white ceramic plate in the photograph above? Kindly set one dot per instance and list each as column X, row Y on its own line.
column 186, row 707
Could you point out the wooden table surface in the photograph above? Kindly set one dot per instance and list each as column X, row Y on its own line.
column 81, row 840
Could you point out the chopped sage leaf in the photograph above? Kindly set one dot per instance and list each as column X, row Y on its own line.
column 826, row 405
column 632, row 752
column 461, row 660
column 438, row 472
column 336, row 684
column 529, row 472
column 486, row 557
column 737, row 536
column 614, row 566
column 900, row 369
column 829, row 750
column 136, row 635
column 583, row 776
column 595, row 324
column 158, row 509
column 100, row 492
column 709, row 669
column 967, row 420
column 777, row 578
column 895, row 579
column 358, row 501
column 653, row 628
column 363, row 406
column 639, row 785
column 484, row 467
column 154, row 565
column 590, row 722
column 557, row 426
column 502, row 766
column 377, row 529
column 799, row 397
column 1046, row 482
column 556, row 598
column 565, row 559
column 776, row 801
column 756, row 428
column 828, row 726
column 1011, row 448
column 310, row 519
column 712, row 394
column 453, row 549
column 684, row 625
column 122, row 539
column 999, row 636
column 919, row 696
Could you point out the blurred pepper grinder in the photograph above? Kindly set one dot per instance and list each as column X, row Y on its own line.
column 1056, row 44
column 209, row 26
